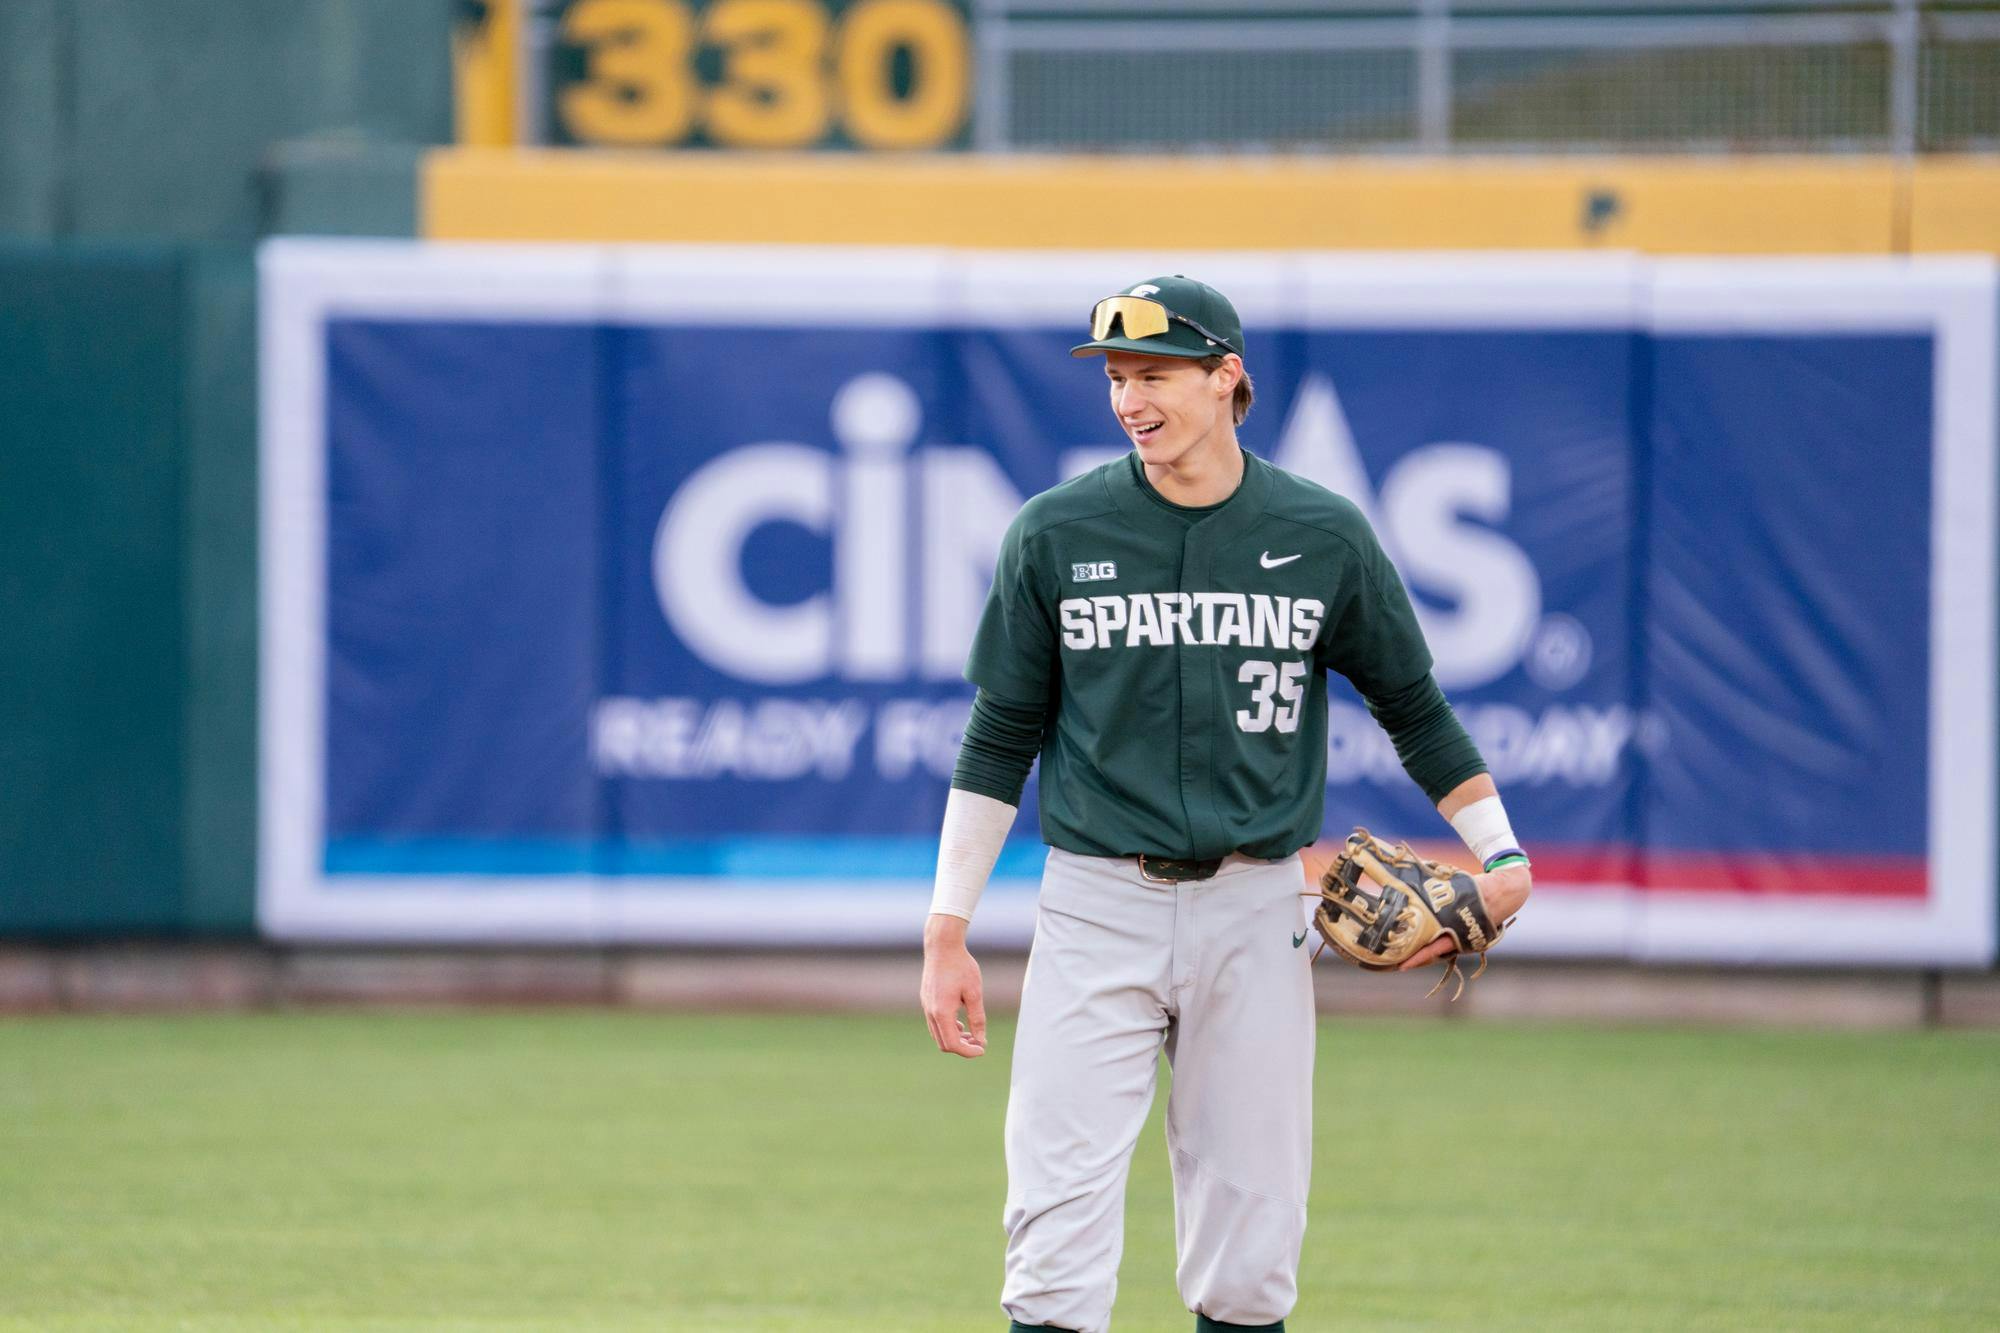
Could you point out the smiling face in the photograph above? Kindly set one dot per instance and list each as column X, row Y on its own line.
column 1170, row 407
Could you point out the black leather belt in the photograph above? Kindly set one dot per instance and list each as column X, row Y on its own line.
column 1173, row 870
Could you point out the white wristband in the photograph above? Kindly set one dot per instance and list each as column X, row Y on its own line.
column 1484, row 827
column 975, row 827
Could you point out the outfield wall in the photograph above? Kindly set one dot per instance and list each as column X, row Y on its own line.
column 1658, row 205
column 127, row 538
column 618, row 595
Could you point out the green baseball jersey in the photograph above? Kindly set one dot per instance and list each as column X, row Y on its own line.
column 1182, row 654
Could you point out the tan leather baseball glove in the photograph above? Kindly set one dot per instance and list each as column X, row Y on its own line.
column 1380, row 904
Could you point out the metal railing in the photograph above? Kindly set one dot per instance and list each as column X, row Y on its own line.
column 1488, row 75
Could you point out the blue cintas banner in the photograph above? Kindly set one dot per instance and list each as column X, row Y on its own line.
column 635, row 608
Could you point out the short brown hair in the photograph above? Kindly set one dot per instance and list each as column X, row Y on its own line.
column 1245, row 394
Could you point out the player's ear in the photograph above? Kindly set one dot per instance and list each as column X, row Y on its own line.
column 1228, row 375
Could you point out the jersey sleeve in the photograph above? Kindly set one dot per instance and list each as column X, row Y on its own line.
column 1014, row 650
column 1429, row 739
column 1371, row 634
column 1002, row 739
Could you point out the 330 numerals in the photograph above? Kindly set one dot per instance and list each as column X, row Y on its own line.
column 890, row 73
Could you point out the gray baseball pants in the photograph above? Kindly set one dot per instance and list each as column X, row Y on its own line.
column 1216, row 972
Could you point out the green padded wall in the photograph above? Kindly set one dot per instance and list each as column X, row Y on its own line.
column 92, row 615
column 127, row 589
column 128, row 477
column 219, row 582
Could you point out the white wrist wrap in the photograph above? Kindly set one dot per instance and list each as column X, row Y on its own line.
column 975, row 826
column 1484, row 826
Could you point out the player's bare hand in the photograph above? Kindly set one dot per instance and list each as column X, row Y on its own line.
column 1504, row 892
column 951, row 983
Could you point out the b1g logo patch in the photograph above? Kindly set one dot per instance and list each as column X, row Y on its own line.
column 1095, row 572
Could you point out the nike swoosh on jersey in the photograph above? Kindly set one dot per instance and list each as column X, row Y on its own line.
column 1298, row 939
column 1267, row 562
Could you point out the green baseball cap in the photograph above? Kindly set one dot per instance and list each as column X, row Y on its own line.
column 1170, row 316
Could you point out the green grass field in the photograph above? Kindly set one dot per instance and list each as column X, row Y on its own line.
column 589, row 1170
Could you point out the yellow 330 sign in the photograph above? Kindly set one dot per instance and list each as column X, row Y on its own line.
column 761, row 73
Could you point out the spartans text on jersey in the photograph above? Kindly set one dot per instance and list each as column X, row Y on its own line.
column 1164, row 619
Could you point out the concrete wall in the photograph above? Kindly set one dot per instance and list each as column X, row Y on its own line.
column 158, row 118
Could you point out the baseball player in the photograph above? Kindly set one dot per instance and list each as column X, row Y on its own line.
column 1157, row 632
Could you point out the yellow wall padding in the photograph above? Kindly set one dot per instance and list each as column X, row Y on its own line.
column 1955, row 204
column 1827, row 205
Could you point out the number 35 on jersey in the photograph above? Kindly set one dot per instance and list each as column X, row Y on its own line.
column 1218, row 619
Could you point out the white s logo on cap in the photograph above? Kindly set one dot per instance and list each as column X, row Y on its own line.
column 1143, row 289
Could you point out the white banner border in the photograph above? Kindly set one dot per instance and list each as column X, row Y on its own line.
column 303, row 283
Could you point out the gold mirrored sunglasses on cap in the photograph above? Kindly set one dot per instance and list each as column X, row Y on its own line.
column 1141, row 317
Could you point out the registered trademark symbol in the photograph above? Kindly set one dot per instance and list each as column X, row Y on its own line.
column 1559, row 653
